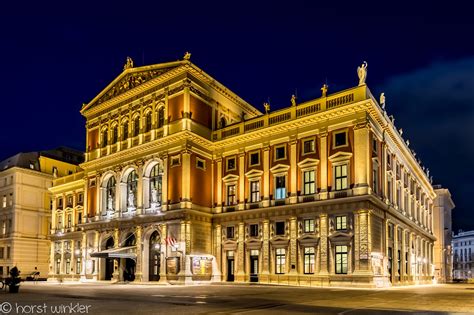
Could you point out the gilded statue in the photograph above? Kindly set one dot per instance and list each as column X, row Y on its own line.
column 187, row 56
column 266, row 105
column 324, row 90
column 128, row 64
column 293, row 100
column 362, row 72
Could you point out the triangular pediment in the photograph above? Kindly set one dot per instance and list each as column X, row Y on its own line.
column 130, row 79
column 340, row 156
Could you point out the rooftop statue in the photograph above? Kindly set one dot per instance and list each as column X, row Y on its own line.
column 362, row 72
column 293, row 100
column 187, row 56
column 382, row 100
column 324, row 90
column 128, row 64
column 266, row 105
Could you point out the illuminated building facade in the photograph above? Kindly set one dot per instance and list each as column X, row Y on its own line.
column 463, row 255
column 185, row 182
column 25, row 208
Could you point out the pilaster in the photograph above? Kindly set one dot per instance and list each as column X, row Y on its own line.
column 323, row 244
column 266, row 176
column 242, row 180
column 240, row 274
column 293, row 170
column 323, row 152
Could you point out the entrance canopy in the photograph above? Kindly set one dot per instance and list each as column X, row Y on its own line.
column 121, row 252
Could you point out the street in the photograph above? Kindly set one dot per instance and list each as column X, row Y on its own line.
column 103, row 298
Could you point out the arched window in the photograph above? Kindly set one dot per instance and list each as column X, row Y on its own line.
column 148, row 122
column 110, row 193
column 114, row 134
column 104, row 137
column 136, row 126
column 223, row 122
column 161, row 117
column 125, row 130
column 155, row 186
column 132, row 180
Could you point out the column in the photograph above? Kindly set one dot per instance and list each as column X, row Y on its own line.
column 186, row 179
column 293, row 170
column 52, row 260
column 165, row 122
column 95, row 274
column 140, row 209
column 384, row 171
column 361, row 158
column 395, row 253
column 293, row 245
column 117, row 273
column 62, row 269
column 84, row 255
column 323, row 244
column 186, row 105
column 139, row 251
column 218, row 253
column 266, row 176
column 403, row 260
column 219, row 185
column 85, row 209
column 242, row 180
column 163, row 253
column 164, row 184
column 240, row 274
column 323, row 137
column 363, row 246
column 264, row 275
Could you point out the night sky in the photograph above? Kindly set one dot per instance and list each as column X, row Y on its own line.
column 55, row 57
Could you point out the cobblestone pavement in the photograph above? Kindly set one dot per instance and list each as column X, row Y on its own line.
column 103, row 298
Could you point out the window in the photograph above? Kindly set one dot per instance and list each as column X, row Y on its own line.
column 60, row 203
column 161, row 117
column 340, row 139
column 390, row 258
column 125, row 130
column 308, row 225
column 80, row 198
column 280, row 187
column 79, row 217
column 280, row 228
column 69, row 201
column 308, row 146
column 68, row 265
column 104, row 137
column 69, row 220
column 341, row 176
column 10, row 202
column 136, row 126
column 280, row 153
column 309, row 186
column 375, row 177
column 8, row 252
column 110, row 190
column 78, row 265
column 341, row 222
column 231, row 195
column 114, row 135
column 4, row 201
column 132, row 181
column 374, row 146
column 341, row 259
column 200, row 163
column 309, row 260
column 280, row 260
column 254, row 158
column 148, row 122
column 255, row 191
column 389, row 188
column 231, row 164
column 2, row 252
column 58, row 265
column 389, row 158
column 230, row 232
column 175, row 161
column 155, row 185
column 253, row 230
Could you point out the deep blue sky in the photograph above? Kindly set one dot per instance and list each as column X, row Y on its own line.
column 55, row 57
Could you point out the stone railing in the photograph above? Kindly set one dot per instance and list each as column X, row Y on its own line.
column 68, row 178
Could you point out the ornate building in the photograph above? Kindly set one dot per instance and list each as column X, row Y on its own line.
column 463, row 255
column 186, row 182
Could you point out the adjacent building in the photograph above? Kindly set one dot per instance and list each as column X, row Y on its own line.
column 25, row 207
column 463, row 245
column 185, row 182
column 442, row 230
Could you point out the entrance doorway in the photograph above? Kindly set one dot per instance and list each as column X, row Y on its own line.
column 154, row 257
column 129, row 270
column 109, row 262
column 254, row 265
column 230, row 266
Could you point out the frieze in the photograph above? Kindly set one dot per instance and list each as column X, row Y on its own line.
column 199, row 93
column 176, row 90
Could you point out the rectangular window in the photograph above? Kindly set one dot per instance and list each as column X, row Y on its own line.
column 309, row 186
column 60, row 203
column 2, row 252
column 69, row 201
column 308, row 225
column 253, row 230
column 341, row 176
column 10, row 202
column 280, row 153
column 175, row 161
column 58, row 266
column 69, row 220
column 254, row 158
column 80, row 198
column 255, row 191
column 390, row 258
column 230, row 232
column 78, row 265
column 308, row 146
column 280, row 260
column 280, row 228
column 231, row 164
column 399, row 262
column 341, row 222
column 280, row 187
column 68, row 265
column 340, row 139
column 230, row 195
column 375, row 178
column 341, row 259
column 200, row 163
column 8, row 252
column 374, row 146
column 309, row 260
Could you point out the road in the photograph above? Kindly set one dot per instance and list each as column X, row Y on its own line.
column 102, row 298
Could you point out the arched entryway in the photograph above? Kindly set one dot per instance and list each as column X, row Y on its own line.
column 154, row 257
column 130, row 265
column 109, row 262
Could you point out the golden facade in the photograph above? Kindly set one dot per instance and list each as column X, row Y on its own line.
column 185, row 182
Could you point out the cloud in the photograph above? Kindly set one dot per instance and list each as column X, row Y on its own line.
column 435, row 107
